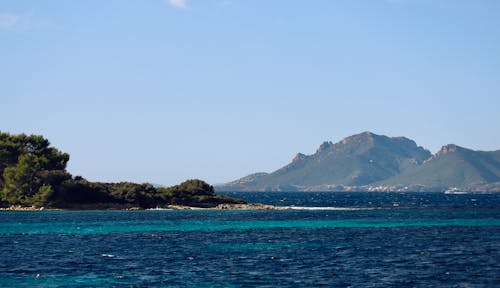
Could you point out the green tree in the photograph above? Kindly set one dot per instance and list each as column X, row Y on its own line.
column 13, row 146
column 28, row 167
column 45, row 192
column 21, row 182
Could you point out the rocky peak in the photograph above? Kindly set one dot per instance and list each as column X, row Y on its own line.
column 359, row 142
column 361, row 137
column 365, row 135
column 299, row 157
column 450, row 148
column 324, row 146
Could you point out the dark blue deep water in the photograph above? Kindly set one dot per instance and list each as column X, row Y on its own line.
column 383, row 240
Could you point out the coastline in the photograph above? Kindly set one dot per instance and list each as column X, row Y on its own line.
column 234, row 207
column 253, row 206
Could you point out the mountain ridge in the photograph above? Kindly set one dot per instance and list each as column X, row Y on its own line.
column 471, row 169
column 371, row 162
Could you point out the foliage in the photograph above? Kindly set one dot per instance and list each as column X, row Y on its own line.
column 191, row 187
column 73, row 191
column 45, row 192
column 20, row 181
column 28, row 169
column 13, row 146
column 34, row 174
column 194, row 192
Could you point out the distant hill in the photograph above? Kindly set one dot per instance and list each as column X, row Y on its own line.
column 453, row 166
column 370, row 162
column 355, row 161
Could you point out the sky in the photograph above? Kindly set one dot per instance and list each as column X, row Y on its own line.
column 162, row 91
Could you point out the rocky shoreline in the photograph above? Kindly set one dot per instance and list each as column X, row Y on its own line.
column 254, row 206
column 24, row 208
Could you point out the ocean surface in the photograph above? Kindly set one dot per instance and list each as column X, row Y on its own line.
column 376, row 240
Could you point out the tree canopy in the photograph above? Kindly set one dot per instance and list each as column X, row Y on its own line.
column 29, row 169
column 32, row 173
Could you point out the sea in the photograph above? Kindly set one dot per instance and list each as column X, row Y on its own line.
column 326, row 240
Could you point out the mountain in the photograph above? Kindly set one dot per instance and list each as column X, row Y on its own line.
column 370, row 162
column 453, row 166
column 357, row 160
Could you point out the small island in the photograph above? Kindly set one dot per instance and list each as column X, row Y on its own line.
column 33, row 176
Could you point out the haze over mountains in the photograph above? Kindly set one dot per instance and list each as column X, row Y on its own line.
column 371, row 162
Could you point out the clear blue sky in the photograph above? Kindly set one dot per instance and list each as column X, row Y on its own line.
column 161, row 91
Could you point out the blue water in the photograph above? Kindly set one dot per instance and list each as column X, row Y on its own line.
column 386, row 239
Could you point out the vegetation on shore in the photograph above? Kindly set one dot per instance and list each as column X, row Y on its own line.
column 32, row 173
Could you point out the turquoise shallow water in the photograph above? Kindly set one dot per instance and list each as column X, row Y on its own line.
column 428, row 240
column 103, row 227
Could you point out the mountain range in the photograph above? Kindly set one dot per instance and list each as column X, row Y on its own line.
column 371, row 162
